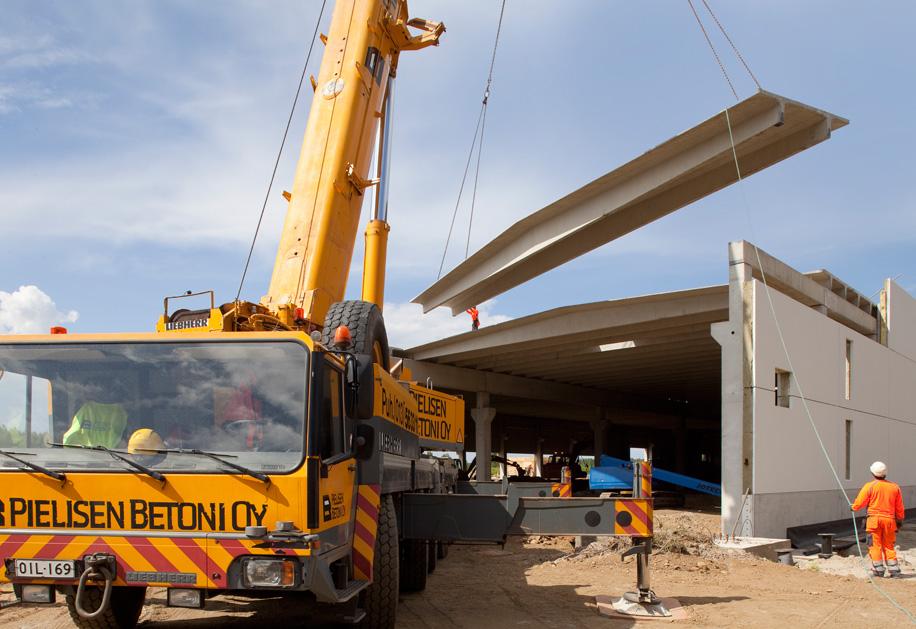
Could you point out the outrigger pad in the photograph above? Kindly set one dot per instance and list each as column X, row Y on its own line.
column 664, row 609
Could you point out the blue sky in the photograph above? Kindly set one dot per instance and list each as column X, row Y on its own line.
column 136, row 141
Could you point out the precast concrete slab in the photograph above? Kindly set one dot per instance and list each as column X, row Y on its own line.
column 766, row 129
column 764, row 547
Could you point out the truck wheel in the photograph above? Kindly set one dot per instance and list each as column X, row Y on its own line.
column 431, row 550
column 442, row 550
column 414, row 558
column 380, row 599
column 123, row 610
column 367, row 329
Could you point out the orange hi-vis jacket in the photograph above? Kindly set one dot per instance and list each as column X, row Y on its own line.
column 883, row 499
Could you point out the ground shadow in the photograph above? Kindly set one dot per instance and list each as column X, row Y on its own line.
column 691, row 601
column 454, row 597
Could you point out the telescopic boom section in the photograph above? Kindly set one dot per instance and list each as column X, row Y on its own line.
column 322, row 221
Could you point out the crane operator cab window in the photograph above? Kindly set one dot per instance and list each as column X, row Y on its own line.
column 332, row 430
column 63, row 403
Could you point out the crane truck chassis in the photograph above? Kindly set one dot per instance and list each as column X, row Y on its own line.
column 353, row 513
column 265, row 448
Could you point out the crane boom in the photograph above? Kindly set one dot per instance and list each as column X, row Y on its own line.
column 316, row 245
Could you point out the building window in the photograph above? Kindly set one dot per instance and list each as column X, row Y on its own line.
column 781, row 387
column 848, row 369
column 848, row 447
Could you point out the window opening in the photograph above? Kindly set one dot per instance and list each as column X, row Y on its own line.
column 848, row 448
column 782, row 387
column 848, row 369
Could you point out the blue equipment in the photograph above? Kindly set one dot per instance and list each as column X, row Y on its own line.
column 616, row 474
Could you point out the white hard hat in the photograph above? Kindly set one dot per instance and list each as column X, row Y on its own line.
column 878, row 469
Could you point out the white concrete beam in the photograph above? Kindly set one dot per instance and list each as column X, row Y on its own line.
column 766, row 128
column 586, row 322
column 800, row 287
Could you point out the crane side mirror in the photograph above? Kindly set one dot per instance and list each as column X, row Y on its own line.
column 360, row 381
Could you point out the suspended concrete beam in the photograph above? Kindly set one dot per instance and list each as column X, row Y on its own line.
column 767, row 129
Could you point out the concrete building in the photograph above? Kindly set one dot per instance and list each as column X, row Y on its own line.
column 701, row 375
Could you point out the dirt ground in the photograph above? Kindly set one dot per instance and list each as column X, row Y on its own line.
column 543, row 583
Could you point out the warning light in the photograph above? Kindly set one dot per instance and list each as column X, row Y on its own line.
column 300, row 314
column 342, row 336
column 57, row 329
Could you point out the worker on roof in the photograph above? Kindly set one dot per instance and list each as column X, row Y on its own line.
column 885, row 516
column 475, row 317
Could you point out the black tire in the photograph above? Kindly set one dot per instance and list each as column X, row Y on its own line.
column 432, row 551
column 442, row 550
column 380, row 599
column 414, row 562
column 123, row 611
column 367, row 329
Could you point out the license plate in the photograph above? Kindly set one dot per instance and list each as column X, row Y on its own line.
column 44, row 569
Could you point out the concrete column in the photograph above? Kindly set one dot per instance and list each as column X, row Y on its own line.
column 539, row 458
column 736, row 336
column 503, row 468
column 483, row 416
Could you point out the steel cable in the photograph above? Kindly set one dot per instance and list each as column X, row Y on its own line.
column 478, row 131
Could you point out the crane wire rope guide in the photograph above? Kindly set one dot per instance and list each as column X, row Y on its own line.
column 784, row 346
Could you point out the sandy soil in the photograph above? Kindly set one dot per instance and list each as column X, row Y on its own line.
column 542, row 583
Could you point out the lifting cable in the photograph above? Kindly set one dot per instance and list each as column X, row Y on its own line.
column 273, row 174
column 772, row 308
column 476, row 142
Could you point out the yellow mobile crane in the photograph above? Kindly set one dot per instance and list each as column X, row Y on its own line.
column 262, row 447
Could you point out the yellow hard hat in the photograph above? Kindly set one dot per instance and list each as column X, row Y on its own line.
column 145, row 441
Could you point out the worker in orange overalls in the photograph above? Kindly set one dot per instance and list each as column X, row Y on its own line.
column 885, row 516
column 475, row 317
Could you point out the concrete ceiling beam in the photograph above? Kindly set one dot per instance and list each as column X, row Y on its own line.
column 459, row 379
column 622, row 359
column 519, row 360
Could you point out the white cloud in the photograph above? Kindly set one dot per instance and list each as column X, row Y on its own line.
column 407, row 326
column 30, row 310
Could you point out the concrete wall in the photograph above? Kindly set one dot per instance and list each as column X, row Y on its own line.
column 792, row 482
column 901, row 320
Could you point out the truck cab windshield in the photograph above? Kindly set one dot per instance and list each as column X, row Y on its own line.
column 246, row 400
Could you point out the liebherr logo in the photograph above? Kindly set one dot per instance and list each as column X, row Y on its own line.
column 187, row 324
column 392, row 445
